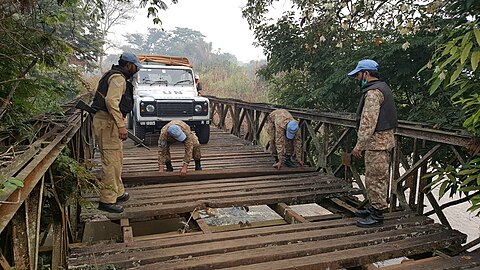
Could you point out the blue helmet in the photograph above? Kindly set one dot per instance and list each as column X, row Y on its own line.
column 292, row 128
column 177, row 133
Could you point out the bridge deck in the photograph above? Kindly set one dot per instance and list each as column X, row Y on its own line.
column 317, row 245
column 238, row 174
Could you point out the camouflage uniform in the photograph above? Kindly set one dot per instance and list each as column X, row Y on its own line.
column 377, row 146
column 280, row 146
column 106, row 125
column 192, row 146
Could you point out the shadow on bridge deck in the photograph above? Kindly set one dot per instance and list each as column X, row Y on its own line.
column 236, row 173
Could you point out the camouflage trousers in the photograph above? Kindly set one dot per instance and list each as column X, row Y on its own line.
column 377, row 177
column 111, row 152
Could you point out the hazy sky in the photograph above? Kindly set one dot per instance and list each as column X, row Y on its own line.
column 219, row 20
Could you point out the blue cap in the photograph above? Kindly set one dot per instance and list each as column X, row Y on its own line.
column 177, row 133
column 132, row 58
column 292, row 128
column 365, row 64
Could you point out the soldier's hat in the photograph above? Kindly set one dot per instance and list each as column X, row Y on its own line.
column 292, row 128
column 177, row 133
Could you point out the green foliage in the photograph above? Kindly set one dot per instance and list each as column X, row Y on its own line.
column 40, row 48
column 10, row 184
column 324, row 40
column 311, row 49
column 465, row 180
column 71, row 177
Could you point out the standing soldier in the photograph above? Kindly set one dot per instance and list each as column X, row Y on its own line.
column 376, row 121
column 113, row 100
column 284, row 138
column 178, row 131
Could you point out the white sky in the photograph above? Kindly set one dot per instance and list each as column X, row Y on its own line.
column 220, row 21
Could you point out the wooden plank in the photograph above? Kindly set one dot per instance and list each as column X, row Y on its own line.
column 124, row 222
column 127, row 234
column 275, row 247
column 203, row 226
column 397, row 218
column 167, row 177
column 329, row 254
column 247, row 239
column 288, row 214
column 466, row 261
column 20, row 234
column 4, row 263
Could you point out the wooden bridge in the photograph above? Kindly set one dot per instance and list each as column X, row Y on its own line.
column 238, row 212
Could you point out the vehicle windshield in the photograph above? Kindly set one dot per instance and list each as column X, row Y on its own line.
column 165, row 76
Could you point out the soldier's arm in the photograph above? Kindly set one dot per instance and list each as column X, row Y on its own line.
column 163, row 149
column 116, row 88
column 188, row 149
column 297, row 145
column 368, row 122
column 280, row 141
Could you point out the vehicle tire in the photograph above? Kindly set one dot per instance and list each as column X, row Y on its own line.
column 203, row 133
column 130, row 121
column 139, row 130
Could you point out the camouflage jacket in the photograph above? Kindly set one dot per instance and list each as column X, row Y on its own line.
column 276, row 128
column 367, row 137
column 165, row 140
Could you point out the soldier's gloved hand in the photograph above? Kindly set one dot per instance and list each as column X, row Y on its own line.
column 278, row 165
column 183, row 170
column 161, row 168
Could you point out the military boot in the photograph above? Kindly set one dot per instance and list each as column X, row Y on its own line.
column 288, row 162
column 364, row 212
column 375, row 219
column 198, row 166
column 169, row 166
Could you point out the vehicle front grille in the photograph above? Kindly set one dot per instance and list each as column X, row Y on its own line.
column 174, row 109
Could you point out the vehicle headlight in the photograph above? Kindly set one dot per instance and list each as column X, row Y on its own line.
column 150, row 108
column 198, row 108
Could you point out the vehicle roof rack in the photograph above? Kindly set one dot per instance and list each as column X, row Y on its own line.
column 166, row 60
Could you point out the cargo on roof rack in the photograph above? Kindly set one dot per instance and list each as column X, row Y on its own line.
column 166, row 60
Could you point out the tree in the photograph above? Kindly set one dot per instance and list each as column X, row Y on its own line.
column 42, row 47
column 113, row 13
column 456, row 73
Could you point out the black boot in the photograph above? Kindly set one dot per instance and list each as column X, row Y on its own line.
column 198, row 166
column 375, row 219
column 276, row 159
column 288, row 162
column 110, row 207
column 123, row 198
column 169, row 166
column 364, row 213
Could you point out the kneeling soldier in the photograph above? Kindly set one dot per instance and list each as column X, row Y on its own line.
column 178, row 131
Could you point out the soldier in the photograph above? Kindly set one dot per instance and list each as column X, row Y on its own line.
column 284, row 138
column 376, row 121
column 178, row 131
column 112, row 102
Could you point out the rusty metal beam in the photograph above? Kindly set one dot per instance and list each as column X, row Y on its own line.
column 406, row 128
column 35, row 169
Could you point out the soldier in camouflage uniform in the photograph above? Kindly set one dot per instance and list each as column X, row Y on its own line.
column 376, row 122
column 178, row 131
column 284, row 138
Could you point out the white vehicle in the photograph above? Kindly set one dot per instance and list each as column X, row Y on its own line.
column 165, row 90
